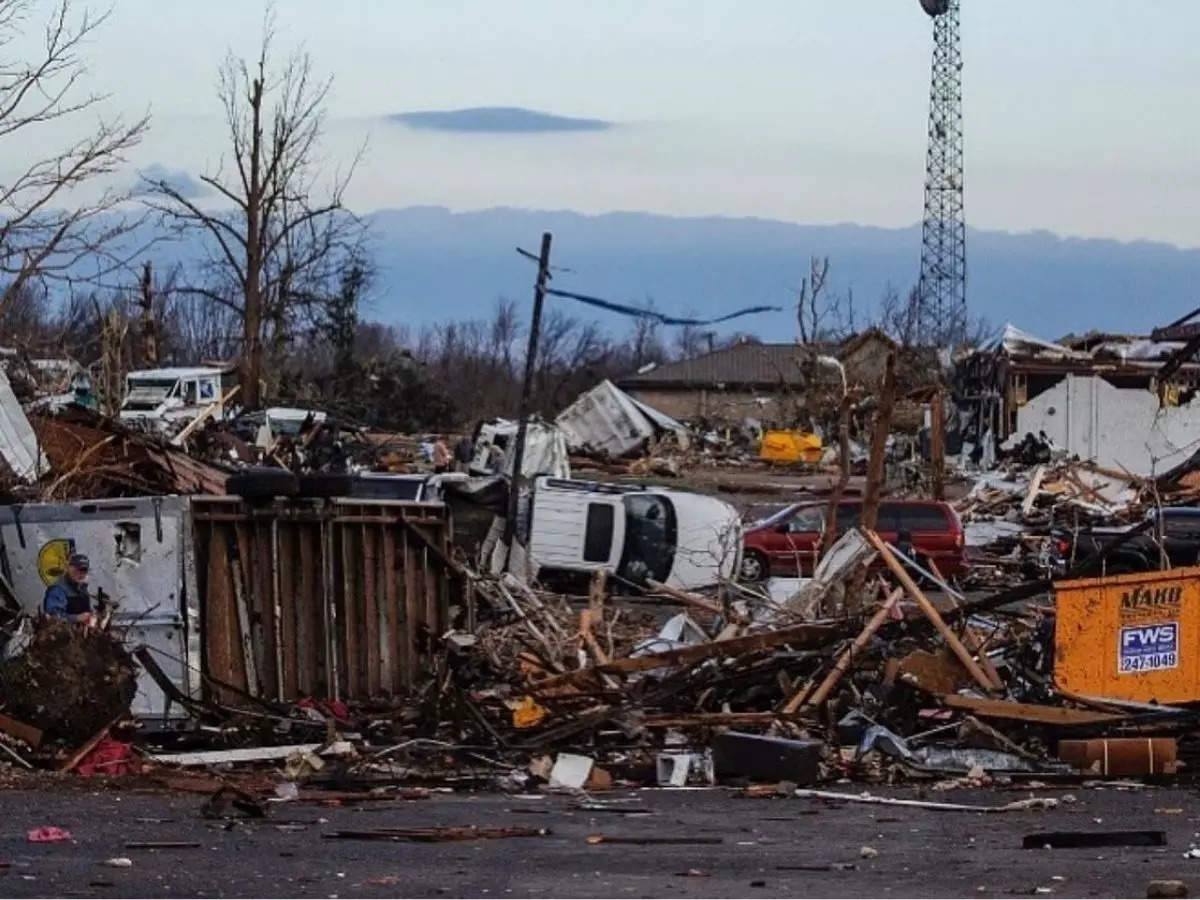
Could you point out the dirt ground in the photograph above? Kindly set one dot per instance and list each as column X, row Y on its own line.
column 752, row 847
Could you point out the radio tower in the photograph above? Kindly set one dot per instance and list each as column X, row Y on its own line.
column 942, row 289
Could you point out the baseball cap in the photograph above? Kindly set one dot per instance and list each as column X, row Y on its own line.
column 79, row 561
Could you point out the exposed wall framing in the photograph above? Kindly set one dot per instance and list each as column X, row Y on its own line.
column 321, row 599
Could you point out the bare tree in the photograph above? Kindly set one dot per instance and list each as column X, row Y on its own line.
column 898, row 317
column 810, row 306
column 46, row 232
column 285, row 241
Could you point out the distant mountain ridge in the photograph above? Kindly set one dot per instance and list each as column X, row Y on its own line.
column 438, row 265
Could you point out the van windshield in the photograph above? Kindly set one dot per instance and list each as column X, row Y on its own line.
column 650, row 535
column 148, row 393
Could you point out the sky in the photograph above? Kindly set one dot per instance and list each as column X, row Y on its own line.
column 1079, row 115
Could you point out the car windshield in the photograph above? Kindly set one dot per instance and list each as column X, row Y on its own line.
column 649, row 538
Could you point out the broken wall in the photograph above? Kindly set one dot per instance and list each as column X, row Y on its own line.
column 689, row 404
column 1119, row 428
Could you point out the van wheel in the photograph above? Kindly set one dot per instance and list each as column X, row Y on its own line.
column 754, row 566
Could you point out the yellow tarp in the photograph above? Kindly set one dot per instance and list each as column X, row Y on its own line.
column 790, row 447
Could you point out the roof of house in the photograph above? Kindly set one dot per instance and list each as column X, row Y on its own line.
column 741, row 364
column 748, row 364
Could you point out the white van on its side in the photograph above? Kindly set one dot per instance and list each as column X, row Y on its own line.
column 682, row 539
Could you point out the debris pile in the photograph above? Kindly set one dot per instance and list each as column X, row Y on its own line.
column 66, row 681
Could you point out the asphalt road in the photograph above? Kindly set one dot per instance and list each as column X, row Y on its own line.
column 759, row 846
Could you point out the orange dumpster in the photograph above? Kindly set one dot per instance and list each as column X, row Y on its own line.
column 1130, row 637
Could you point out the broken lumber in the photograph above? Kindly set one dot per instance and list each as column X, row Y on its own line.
column 916, row 804
column 27, row 733
column 241, row 754
column 1026, row 712
column 808, row 636
column 436, row 835
column 929, row 610
column 843, row 663
column 204, row 416
column 652, row 841
column 1035, row 484
column 684, row 597
column 717, row 719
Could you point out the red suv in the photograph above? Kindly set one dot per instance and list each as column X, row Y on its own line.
column 788, row 542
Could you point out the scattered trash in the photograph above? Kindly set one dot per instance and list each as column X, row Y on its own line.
column 1166, row 888
column 868, row 852
column 571, row 770
column 119, row 862
column 47, row 834
column 1062, row 839
column 437, row 835
column 652, row 840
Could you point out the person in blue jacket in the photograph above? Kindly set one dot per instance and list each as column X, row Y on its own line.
column 68, row 596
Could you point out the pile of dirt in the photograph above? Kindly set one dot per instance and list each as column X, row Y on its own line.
column 70, row 681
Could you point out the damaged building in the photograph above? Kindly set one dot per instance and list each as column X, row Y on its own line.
column 1099, row 397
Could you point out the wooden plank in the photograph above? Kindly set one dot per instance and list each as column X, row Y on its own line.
column 306, row 563
column 205, row 414
column 69, row 764
column 1035, row 484
column 930, row 611
column 348, row 608
column 276, row 606
column 329, row 608
column 255, row 571
column 222, row 639
column 803, row 636
column 843, row 663
column 243, row 754
column 290, row 566
column 393, row 658
column 720, row 719
column 687, row 599
column 27, row 733
column 371, row 623
column 246, row 639
column 433, row 605
column 1026, row 712
column 412, row 610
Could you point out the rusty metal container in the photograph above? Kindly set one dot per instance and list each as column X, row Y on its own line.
column 1130, row 637
column 1122, row 756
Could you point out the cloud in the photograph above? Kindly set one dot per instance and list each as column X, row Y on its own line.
column 179, row 180
column 497, row 120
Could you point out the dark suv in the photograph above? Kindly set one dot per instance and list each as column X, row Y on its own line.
column 1180, row 538
column 788, row 543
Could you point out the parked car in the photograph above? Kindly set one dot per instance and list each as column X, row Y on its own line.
column 788, row 543
column 682, row 539
column 1180, row 540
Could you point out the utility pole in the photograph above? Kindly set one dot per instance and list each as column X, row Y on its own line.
column 937, row 444
column 518, row 457
column 149, row 335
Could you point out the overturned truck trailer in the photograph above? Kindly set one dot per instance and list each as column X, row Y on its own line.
column 234, row 601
